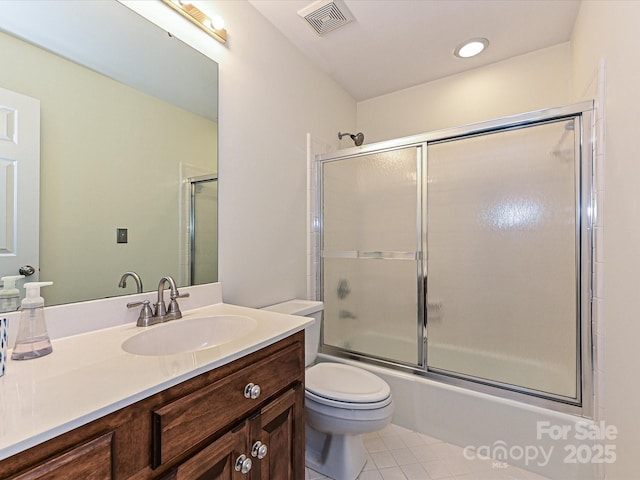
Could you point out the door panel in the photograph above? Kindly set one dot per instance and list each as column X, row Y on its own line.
column 216, row 461
column 19, row 183
column 371, row 265
column 502, row 243
column 280, row 426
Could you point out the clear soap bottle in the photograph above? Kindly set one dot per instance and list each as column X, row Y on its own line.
column 9, row 295
column 32, row 340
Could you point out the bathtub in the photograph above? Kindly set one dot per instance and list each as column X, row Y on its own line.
column 384, row 346
column 460, row 359
column 554, row 444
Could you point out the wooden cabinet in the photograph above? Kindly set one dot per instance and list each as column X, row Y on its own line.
column 249, row 412
column 265, row 446
column 179, row 425
column 88, row 460
column 216, row 461
column 276, row 429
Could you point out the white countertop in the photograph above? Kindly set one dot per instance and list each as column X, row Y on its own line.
column 89, row 375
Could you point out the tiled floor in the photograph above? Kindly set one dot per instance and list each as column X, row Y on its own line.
column 396, row 453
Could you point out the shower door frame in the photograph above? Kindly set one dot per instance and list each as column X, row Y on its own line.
column 193, row 184
column 586, row 213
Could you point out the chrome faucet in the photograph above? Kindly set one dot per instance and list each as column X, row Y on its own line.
column 160, row 309
column 136, row 278
column 160, row 312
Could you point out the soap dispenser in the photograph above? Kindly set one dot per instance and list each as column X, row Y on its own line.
column 9, row 295
column 32, row 340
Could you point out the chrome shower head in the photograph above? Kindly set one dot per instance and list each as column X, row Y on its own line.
column 358, row 138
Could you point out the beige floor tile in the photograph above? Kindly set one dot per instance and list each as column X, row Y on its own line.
column 394, row 473
column 404, row 456
column 415, row 471
column 370, row 475
column 383, row 459
column 396, row 453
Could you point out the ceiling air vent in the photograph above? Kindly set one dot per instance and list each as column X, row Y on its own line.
column 326, row 15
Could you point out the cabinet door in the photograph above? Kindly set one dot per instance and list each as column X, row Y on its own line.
column 280, row 426
column 217, row 461
column 89, row 460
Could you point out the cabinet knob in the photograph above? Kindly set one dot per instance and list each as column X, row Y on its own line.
column 243, row 464
column 252, row 391
column 259, row 450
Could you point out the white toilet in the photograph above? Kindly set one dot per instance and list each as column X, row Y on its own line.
column 342, row 402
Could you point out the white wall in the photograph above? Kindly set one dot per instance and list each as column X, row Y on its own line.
column 521, row 84
column 270, row 97
column 607, row 30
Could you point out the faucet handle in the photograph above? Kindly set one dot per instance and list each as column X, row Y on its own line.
column 137, row 304
column 145, row 314
column 174, row 309
column 179, row 295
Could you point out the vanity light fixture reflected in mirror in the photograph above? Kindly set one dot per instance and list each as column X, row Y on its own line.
column 213, row 26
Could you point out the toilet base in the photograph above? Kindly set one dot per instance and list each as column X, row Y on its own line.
column 341, row 457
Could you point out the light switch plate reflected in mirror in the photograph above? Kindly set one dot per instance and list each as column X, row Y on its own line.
column 121, row 235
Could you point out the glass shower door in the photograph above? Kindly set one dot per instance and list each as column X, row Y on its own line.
column 503, row 262
column 204, row 231
column 369, row 254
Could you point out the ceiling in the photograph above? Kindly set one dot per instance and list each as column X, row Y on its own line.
column 396, row 44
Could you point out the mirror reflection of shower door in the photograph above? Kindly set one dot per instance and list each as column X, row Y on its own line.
column 370, row 265
column 503, row 258
column 203, row 228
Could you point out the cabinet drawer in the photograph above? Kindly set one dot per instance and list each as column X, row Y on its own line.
column 183, row 423
column 89, row 460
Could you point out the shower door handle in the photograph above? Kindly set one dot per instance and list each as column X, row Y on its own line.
column 424, row 292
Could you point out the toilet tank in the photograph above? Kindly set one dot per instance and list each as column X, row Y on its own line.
column 304, row 308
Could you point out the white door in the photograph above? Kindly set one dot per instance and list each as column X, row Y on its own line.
column 19, row 185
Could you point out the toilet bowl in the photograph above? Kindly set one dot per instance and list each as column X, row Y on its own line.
column 342, row 402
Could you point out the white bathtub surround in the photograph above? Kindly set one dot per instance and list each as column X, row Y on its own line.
column 484, row 422
column 315, row 146
column 598, row 244
column 89, row 375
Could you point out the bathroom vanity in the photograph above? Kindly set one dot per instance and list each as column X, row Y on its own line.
column 232, row 411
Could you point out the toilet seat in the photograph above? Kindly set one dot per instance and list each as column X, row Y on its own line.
column 347, row 405
column 344, row 386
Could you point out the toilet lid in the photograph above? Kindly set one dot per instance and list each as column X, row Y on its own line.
column 345, row 383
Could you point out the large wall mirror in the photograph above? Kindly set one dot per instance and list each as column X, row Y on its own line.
column 128, row 149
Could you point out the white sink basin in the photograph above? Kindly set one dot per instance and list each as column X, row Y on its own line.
column 189, row 335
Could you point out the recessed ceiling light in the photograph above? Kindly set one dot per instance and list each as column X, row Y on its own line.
column 471, row 48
